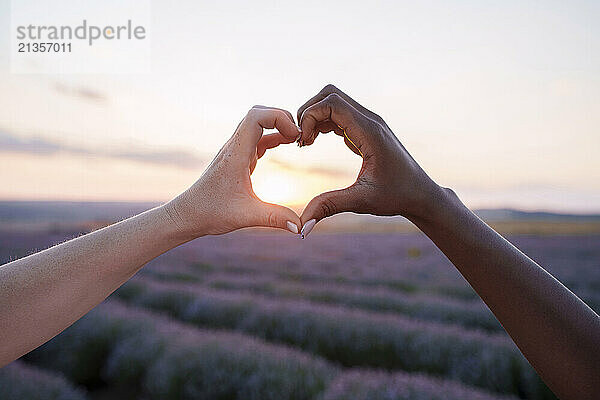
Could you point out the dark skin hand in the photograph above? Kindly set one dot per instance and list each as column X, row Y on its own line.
column 557, row 332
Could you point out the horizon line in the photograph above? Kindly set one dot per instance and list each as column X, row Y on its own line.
column 572, row 212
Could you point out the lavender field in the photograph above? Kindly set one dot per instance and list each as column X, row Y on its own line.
column 264, row 315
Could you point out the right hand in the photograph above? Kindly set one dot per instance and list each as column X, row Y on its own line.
column 390, row 181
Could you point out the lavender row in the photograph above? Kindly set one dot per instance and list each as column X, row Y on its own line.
column 404, row 262
column 20, row 381
column 259, row 279
column 157, row 358
column 200, row 272
column 471, row 314
column 368, row 385
column 351, row 337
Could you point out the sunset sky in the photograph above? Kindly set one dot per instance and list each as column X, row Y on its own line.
column 498, row 100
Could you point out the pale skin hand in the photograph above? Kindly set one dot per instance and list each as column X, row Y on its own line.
column 42, row 294
column 557, row 332
column 226, row 183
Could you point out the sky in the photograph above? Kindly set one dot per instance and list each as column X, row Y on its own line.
column 498, row 100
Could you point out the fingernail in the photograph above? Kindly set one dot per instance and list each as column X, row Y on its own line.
column 292, row 227
column 308, row 226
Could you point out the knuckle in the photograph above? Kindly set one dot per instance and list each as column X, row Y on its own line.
column 281, row 114
column 329, row 88
column 333, row 99
column 255, row 113
column 289, row 115
column 252, row 112
column 372, row 126
column 327, row 206
column 376, row 127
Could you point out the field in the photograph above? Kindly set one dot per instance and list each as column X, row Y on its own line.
column 264, row 315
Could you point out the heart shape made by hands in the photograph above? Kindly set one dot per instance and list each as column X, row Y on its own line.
column 389, row 181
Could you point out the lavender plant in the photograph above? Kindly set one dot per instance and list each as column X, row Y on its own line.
column 354, row 338
column 367, row 385
column 430, row 307
column 167, row 360
column 19, row 381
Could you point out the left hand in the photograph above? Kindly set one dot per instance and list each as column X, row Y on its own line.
column 222, row 200
column 390, row 181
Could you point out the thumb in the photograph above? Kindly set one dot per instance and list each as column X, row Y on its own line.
column 276, row 216
column 328, row 204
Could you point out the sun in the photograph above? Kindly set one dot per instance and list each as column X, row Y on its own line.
column 276, row 186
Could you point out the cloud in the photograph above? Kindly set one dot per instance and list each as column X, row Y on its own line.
column 81, row 92
column 15, row 144
column 43, row 146
column 319, row 170
column 178, row 158
column 10, row 143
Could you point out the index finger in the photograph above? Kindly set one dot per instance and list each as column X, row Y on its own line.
column 251, row 128
column 329, row 89
column 356, row 127
column 289, row 114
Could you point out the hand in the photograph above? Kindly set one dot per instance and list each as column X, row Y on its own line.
column 390, row 181
column 222, row 200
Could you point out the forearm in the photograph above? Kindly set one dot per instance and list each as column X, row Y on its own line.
column 42, row 294
column 555, row 330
